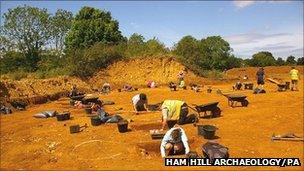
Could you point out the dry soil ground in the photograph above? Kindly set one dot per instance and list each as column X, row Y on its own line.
column 30, row 143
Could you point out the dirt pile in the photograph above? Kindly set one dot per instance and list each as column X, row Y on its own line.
column 39, row 90
column 139, row 71
column 281, row 72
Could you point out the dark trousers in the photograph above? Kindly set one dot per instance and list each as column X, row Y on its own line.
column 184, row 118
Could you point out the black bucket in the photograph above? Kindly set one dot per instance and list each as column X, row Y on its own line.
column 208, row 131
column 67, row 115
column 63, row 116
column 171, row 123
column 95, row 121
column 287, row 85
column 72, row 102
column 74, row 129
column 122, row 126
column 88, row 110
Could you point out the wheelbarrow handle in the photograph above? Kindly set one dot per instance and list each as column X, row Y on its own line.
column 193, row 109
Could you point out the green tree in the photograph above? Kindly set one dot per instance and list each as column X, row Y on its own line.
column 215, row 53
column 155, row 47
column 300, row 61
column 280, row 62
column 135, row 45
column 188, row 50
column 291, row 60
column 90, row 26
column 262, row 59
column 11, row 61
column 61, row 24
column 27, row 28
column 85, row 62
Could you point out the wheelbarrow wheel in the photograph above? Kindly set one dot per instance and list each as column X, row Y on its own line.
column 216, row 112
column 245, row 103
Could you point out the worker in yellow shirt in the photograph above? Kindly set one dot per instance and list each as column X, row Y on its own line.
column 294, row 75
column 176, row 110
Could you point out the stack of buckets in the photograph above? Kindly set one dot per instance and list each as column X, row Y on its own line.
column 207, row 131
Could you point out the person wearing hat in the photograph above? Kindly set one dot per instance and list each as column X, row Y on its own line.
column 140, row 102
column 175, row 142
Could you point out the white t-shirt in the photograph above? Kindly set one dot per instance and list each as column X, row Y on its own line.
column 135, row 99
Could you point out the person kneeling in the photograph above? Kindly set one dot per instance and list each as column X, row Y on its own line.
column 176, row 110
column 140, row 102
column 175, row 142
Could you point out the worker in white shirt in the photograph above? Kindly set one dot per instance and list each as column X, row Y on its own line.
column 175, row 142
column 140, row 102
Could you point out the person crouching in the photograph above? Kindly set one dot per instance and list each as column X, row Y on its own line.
column 175, row 142
column 176, row 110
column 140, row 102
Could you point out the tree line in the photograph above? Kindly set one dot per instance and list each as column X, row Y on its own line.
column 34, row 40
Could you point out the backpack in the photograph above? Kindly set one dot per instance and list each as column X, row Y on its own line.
column 214, row 150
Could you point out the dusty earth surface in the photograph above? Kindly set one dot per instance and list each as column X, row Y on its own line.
column 30, row 143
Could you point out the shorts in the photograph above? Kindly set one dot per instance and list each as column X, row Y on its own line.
column 261, row 81
column 140, row 107
column 180, row 152
column 165, row 113
column 294, row 81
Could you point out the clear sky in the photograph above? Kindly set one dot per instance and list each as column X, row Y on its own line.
column 249, row 26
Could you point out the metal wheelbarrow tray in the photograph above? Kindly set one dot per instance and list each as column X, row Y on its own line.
column 78, row 98
column 90, row 99
column 212, row 107
column 234, row 98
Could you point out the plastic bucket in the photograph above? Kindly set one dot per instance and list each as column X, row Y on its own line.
column 250, row 86
column 72, row 102
column 287, row 85
column 95, row 121
column 207, row 131
column 74, row 129
column 66, row 116
column 122, row 126
column 171, row 123
column 63, row 116
column 88, row 110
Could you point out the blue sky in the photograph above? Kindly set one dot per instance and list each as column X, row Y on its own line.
column 249, row 26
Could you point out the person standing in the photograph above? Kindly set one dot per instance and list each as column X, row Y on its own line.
column 180, row 76
column 294, row 75
column 260, row 75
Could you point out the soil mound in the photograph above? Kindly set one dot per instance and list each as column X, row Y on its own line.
column 37, row 91
column 138, row 72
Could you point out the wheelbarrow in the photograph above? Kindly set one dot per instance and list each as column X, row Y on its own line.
column 248, row 86
column 92, row 99
column 212, row 107
column 234, row 98
column 78, row 98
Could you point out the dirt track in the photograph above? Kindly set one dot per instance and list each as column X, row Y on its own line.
column 29, row 143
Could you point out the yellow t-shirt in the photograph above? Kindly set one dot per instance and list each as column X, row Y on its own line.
column 174, row 108
column 294, row 74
